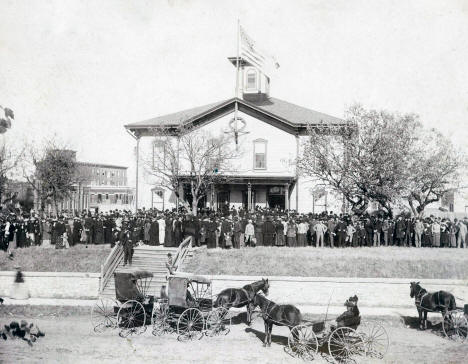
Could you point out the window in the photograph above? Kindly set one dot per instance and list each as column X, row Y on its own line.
column 260, row 150
column 251, row 79
column 99, row 198
column 159, row 153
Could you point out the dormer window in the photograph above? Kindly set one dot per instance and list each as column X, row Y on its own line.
column 260, row 153
column 251, row 79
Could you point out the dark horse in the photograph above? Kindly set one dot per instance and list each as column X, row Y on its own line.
column 273, row 314
column 240, row 297
column 440, row 301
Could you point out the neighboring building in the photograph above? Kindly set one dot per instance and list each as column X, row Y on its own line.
column 105, row 187
column 271, row 139
column 100, row 186
column 452, row 204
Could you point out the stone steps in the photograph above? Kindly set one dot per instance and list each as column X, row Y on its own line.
column 149, row 258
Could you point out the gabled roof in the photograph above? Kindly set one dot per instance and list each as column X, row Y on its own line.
column 281, row 113
column 293, row 113
column 178, row 118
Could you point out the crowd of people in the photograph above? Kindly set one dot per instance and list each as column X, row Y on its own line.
column 231, row 228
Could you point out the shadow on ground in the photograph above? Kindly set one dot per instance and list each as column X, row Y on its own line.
column 433, row 325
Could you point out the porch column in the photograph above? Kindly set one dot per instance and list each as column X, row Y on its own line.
column 286, row 196
column 137, row 152
column 249, row 196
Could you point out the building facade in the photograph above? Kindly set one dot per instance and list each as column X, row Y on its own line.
column 270, row 133
column 100, row 186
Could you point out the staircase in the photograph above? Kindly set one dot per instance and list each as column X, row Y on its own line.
column 145, row 257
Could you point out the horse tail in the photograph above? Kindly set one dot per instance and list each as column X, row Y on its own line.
column 452, row 303
column 217, row 301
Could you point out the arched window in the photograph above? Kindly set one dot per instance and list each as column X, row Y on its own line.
column 251, row 79
column 260, row 153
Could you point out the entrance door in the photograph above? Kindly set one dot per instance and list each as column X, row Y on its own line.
column 276, row 201
column 223, row 201
column 276, row 198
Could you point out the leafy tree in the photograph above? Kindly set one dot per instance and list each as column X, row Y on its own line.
column 366, row 160
column 52, row 172
column 434, row 168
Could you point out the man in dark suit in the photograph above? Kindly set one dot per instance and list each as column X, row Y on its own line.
column 369, row 226
column 268, row 230
column 127, row 243
column 400, row 230
column 377, row 231
column 340, row 231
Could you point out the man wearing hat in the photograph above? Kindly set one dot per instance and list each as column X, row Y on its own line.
column 127, row 243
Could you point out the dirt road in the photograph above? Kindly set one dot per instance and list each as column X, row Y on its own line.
column 69, row 339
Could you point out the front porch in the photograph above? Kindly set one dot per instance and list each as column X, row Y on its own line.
column 249, row 192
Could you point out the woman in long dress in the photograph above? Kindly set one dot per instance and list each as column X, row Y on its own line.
column 146, row 231
column 154, row 233
column 292, row 233
column 452, row 230
column 45, row 227
column 168, row 238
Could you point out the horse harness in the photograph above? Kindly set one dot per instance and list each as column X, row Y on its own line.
column 421, row 298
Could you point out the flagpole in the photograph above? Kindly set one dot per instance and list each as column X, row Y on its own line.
column 237, row 60
column 237, row 78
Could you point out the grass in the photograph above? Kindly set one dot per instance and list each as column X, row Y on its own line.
column 76, row 259
column 383, row 262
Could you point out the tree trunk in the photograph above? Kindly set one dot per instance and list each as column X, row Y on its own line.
column 194, row 206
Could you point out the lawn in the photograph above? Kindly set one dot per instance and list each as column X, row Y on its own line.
column 76, row 259
column 383, row 262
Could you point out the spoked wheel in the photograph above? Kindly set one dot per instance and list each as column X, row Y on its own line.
column 190, row 325
column 455, row 326
column 345, row 344
column 131, row 318
column 375, row 338
column 303, row 342
column 218, row 322
column 103, row 314
column 160, row 319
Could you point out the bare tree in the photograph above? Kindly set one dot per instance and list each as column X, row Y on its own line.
column 192, row 157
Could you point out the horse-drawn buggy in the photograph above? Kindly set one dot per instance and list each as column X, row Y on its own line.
column 454, row 318
column 344, row 343
column 185, row 307
column 131, row 308
column 346, row 338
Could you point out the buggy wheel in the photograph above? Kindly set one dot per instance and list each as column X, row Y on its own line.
column 190, row 325
column 344, row 344
column 160, row 318
column 376, row 339
column 303, row 342
column 455, row 326
column 103, row 314
column 131, row 318
column 218, row 322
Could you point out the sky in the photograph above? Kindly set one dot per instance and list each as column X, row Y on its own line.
column 80, row 70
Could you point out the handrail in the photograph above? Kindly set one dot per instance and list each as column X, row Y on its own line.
column 182, row 251
column 109, row 265
column 115, row 256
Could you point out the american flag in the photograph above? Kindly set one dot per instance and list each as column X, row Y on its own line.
column 252, row 53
